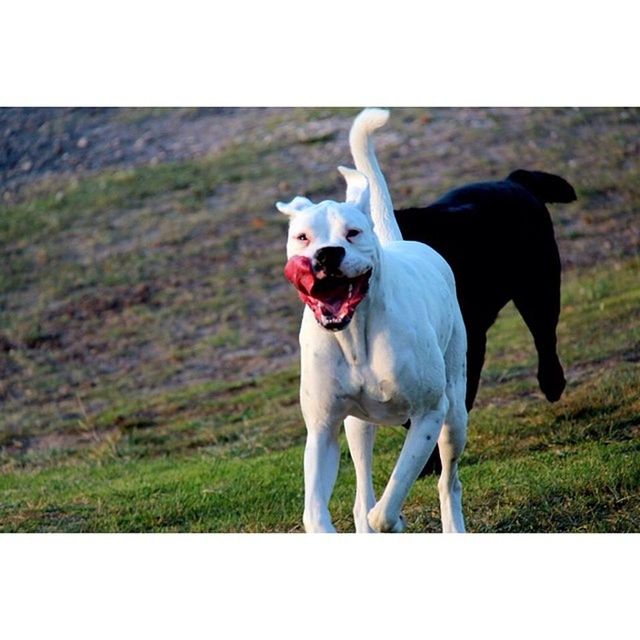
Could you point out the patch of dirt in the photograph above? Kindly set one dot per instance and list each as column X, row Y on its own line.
column 94, row 305
column 45, row 340
column 6, row 344
column 38, row 143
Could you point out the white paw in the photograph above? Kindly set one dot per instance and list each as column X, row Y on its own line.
column 362, row 526
column 317, row 524
column 384, row 522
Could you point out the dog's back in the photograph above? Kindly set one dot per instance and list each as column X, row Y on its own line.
column 494, row 235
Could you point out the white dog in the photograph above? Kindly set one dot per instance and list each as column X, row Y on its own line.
column 382, row 342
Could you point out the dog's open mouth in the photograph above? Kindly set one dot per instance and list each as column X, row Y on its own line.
column 333, row 299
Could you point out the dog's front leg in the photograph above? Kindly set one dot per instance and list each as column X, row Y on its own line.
column 360, row 436
column 321, row 460
column 420, row 442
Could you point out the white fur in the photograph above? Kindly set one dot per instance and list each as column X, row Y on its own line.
column 401, row 357
column 363, row 152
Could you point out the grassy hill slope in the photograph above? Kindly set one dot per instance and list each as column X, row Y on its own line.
column 148, row 342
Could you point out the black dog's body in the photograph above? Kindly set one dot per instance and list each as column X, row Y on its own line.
column 498, row 239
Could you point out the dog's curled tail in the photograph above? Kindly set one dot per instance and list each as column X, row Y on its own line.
column 363, row 152
column 544, row 186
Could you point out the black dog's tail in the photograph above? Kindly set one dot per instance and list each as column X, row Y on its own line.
column 544, row 186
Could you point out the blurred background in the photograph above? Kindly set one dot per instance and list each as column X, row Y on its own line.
column 148, row 341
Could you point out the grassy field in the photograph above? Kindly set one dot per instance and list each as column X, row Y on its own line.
column 148, row 342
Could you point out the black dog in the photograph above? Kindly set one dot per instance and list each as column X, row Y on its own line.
column 498, row 239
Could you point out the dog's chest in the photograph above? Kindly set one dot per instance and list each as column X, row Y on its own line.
column 382, row 380
column 376, row 395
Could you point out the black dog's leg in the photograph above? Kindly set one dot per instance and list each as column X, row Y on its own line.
column 540, row 309
column 433, row 466
column 476, row 346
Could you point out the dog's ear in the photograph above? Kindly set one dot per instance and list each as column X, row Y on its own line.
column 357, row 188
column 295, row 206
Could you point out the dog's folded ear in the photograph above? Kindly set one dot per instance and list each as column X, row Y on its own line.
column 295, row 206
column 357, row 188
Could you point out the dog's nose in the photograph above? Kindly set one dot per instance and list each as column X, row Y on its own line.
column 328, row 259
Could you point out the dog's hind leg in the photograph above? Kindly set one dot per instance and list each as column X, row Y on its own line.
column 539, row 306
column 453, row 435
column 451, row 444
column 477, row 344
column 360, row 437
column 321, row 460
column 418, row 445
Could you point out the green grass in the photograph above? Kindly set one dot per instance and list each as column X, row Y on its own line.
column 228, row 456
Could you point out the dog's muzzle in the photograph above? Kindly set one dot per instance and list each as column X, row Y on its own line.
column 327, row 261
column 321, row 285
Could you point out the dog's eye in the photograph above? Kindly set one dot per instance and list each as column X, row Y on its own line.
column 302, row 237
column 352, row 233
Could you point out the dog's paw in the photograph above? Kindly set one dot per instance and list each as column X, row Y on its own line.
column 552, row 381
column 385, row 522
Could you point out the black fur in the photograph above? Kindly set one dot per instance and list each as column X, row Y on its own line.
column 498, row 238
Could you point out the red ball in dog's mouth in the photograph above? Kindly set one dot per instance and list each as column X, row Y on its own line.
column 333, row 299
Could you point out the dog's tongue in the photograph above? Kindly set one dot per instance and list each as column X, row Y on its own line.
column 299, row 272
